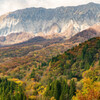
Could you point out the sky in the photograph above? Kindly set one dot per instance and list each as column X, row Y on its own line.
column 12, row 5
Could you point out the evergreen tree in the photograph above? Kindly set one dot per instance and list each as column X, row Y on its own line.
column 57, row 89
column 72, row 89
column 9, row 91
column 84, row 50
column 65, row 91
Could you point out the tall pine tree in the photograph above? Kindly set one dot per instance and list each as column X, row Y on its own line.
column 72, row 89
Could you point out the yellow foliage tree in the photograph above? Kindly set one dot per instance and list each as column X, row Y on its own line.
column 52, row 98
column 90, row 91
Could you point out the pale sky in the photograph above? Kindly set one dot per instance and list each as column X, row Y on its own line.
column 12, row 5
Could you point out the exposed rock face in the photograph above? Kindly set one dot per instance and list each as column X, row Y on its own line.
column 64, row 20
column 93, row 31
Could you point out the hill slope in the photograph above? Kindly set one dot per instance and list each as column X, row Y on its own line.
column 35, row 66
column 66, row 71
column 91, row 32
column 15, row 38
column 76, row 60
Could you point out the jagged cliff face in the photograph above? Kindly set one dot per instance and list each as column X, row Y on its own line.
column 64, row 20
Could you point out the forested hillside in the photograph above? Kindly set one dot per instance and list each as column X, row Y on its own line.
column 50, row 74
column 71, row 66
column 76, row 60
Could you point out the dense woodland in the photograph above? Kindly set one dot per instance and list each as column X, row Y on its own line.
column 51, row 73
column 9, row 90
column 76, row 60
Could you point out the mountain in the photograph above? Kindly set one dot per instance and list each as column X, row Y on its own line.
column 40, row 21
column 38, row 63
column 27, row 38
column 15, row 38
column 91, row 32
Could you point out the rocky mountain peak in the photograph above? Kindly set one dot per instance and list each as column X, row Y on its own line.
column 64, row 20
